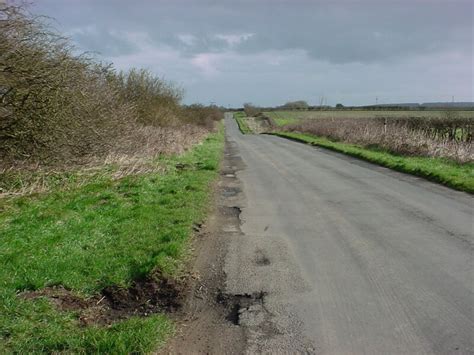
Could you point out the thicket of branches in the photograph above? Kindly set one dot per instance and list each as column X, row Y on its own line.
column 448, row 137
column 56, row 106
column 251, row 110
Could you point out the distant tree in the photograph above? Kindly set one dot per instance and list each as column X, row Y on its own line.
column 339, row 106
column 296, row 105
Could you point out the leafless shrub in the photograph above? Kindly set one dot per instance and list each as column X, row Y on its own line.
column 203, row 116
column 448, row 137
column 57, row 108
column 251, row 110
column 59, row 111
column 155, row 101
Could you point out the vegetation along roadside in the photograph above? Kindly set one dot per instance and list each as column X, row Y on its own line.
column 103, row 177
column 242, row 123
column 71, row 260
column 450, row 173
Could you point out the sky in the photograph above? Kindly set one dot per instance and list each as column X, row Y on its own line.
column 268, row 52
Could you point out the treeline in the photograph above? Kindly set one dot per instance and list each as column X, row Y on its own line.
column 58, row 107
column 302, row 105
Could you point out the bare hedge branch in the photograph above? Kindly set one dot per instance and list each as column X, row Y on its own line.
column 59, row 107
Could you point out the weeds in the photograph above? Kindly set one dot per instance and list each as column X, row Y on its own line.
column 449, row 137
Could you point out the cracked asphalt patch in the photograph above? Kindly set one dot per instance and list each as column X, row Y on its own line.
column 258, row 269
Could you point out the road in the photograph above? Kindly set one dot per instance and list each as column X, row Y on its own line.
column 349, row 257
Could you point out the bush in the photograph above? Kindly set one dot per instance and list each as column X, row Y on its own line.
column 251, row 110
column 53, row 104
column 201, row 115
column 58, row 108
column 156, row 101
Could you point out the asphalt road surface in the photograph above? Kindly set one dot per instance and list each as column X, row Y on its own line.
column 345, row 257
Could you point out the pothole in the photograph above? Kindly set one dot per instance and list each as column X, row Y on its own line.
column 230, row 191
column 238, row 303
column 261, row 259
column 230, row 211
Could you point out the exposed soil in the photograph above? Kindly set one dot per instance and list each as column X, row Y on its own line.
column 208, row 322
column 152, row 294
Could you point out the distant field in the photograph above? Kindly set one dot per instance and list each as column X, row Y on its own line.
column 282, row 118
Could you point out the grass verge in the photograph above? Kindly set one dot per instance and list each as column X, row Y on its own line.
column 107, row 232
column 449, row 173
column 281, row 119
column 243, row 126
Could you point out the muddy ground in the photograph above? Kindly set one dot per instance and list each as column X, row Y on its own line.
column 154, row 293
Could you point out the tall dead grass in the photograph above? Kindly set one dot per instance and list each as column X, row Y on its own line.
column 448, row 137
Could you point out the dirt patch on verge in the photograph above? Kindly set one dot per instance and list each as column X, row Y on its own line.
column 152, row 294
column 207, row 321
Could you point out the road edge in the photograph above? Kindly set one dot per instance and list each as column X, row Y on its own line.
column 427, row 175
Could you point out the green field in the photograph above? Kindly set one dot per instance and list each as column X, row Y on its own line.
column 282, row 118
column 106, row 232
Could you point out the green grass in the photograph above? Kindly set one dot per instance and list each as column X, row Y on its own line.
column 107, row 232
column 243, row 126
column 449, row 173
column 282, row 118
column 286, row 117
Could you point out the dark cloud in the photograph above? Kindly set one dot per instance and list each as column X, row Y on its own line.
column 383, row 34
column 337, row 31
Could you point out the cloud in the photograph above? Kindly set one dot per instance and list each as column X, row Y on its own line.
column 234, row 39
column 187, row 39
column 339, row 31
column 207, row 63
column 269, row 50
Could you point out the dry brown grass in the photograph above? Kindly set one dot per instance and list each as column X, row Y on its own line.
column 137, row 156
column 448, row 137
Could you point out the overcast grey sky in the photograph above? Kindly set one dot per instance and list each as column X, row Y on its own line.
column 271, row 51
